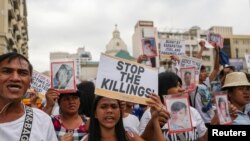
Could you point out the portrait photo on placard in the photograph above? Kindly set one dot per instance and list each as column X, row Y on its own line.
column 188, row 78
column 180, row 118
column 62, row 76
column 215, row 38
column 222, row 107
column 149, row 47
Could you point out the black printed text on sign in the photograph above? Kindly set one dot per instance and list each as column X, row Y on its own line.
column 125, row 80
column 172, row 47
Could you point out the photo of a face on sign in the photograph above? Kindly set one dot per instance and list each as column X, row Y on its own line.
column 222, row 108
column 149, row 47
column 178, row 107
column 214, row 38
column 63, row 78
column 188, row 78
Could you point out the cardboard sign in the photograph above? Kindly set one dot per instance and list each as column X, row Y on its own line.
column 179, row 109
column 247, row 57
column 40, row 82
column 188, row 78
column 192, row 62
column 149, row 47
column 222, row 107
column 170, row 47
column 63, row 76
column 215, row 38
column 125, row 80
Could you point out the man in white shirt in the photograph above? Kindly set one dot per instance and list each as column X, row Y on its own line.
column 18, row 122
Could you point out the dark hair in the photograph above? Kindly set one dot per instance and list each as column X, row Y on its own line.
column 177, row 106
column 94, row 126
column 147, row 42
column 87, row 96
column 203, row 68
column 167, row 80
column 221, row 100
column 13, row 55
column 77, row 93
column 187, row 72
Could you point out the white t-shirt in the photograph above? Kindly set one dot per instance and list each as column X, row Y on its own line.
column 199, row 128
column 144, row 121
column 42, row 128
column 131, row 123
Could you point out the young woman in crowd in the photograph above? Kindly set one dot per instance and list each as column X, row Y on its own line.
column 106, row 121
column 69, row 125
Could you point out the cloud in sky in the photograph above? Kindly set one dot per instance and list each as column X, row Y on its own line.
column 65, row 25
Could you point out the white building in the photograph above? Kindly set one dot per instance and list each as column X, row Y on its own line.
column 117, row 47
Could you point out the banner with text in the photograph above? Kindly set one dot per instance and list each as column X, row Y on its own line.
column 170, row 47
column 192, row 62
column 125, row 80
column 41, row 83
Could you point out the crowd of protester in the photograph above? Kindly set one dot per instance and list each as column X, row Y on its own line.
column 82, row 115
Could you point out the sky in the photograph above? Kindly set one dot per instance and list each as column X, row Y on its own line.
column 65, row 25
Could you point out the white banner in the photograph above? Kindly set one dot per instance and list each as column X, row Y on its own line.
column 172, row 47
column 125, row 80
column 40, row 82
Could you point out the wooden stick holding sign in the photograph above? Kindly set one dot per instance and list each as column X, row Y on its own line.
column 125, row 80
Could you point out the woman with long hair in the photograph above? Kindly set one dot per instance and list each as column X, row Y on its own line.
column 106, row 121
column 68, row 124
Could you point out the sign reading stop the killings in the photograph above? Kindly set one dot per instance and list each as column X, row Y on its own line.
column 125, row 80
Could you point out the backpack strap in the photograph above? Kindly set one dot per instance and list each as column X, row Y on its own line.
column 27, row 124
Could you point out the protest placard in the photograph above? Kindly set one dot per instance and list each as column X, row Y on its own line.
column 215, row 38
column 188, row 78
column 149, row 47
column 222, row 107
column 179, row 109
column 63, row 76
column 191, row 62
column 170, row 47
column 40, row 83
column 125, row 80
